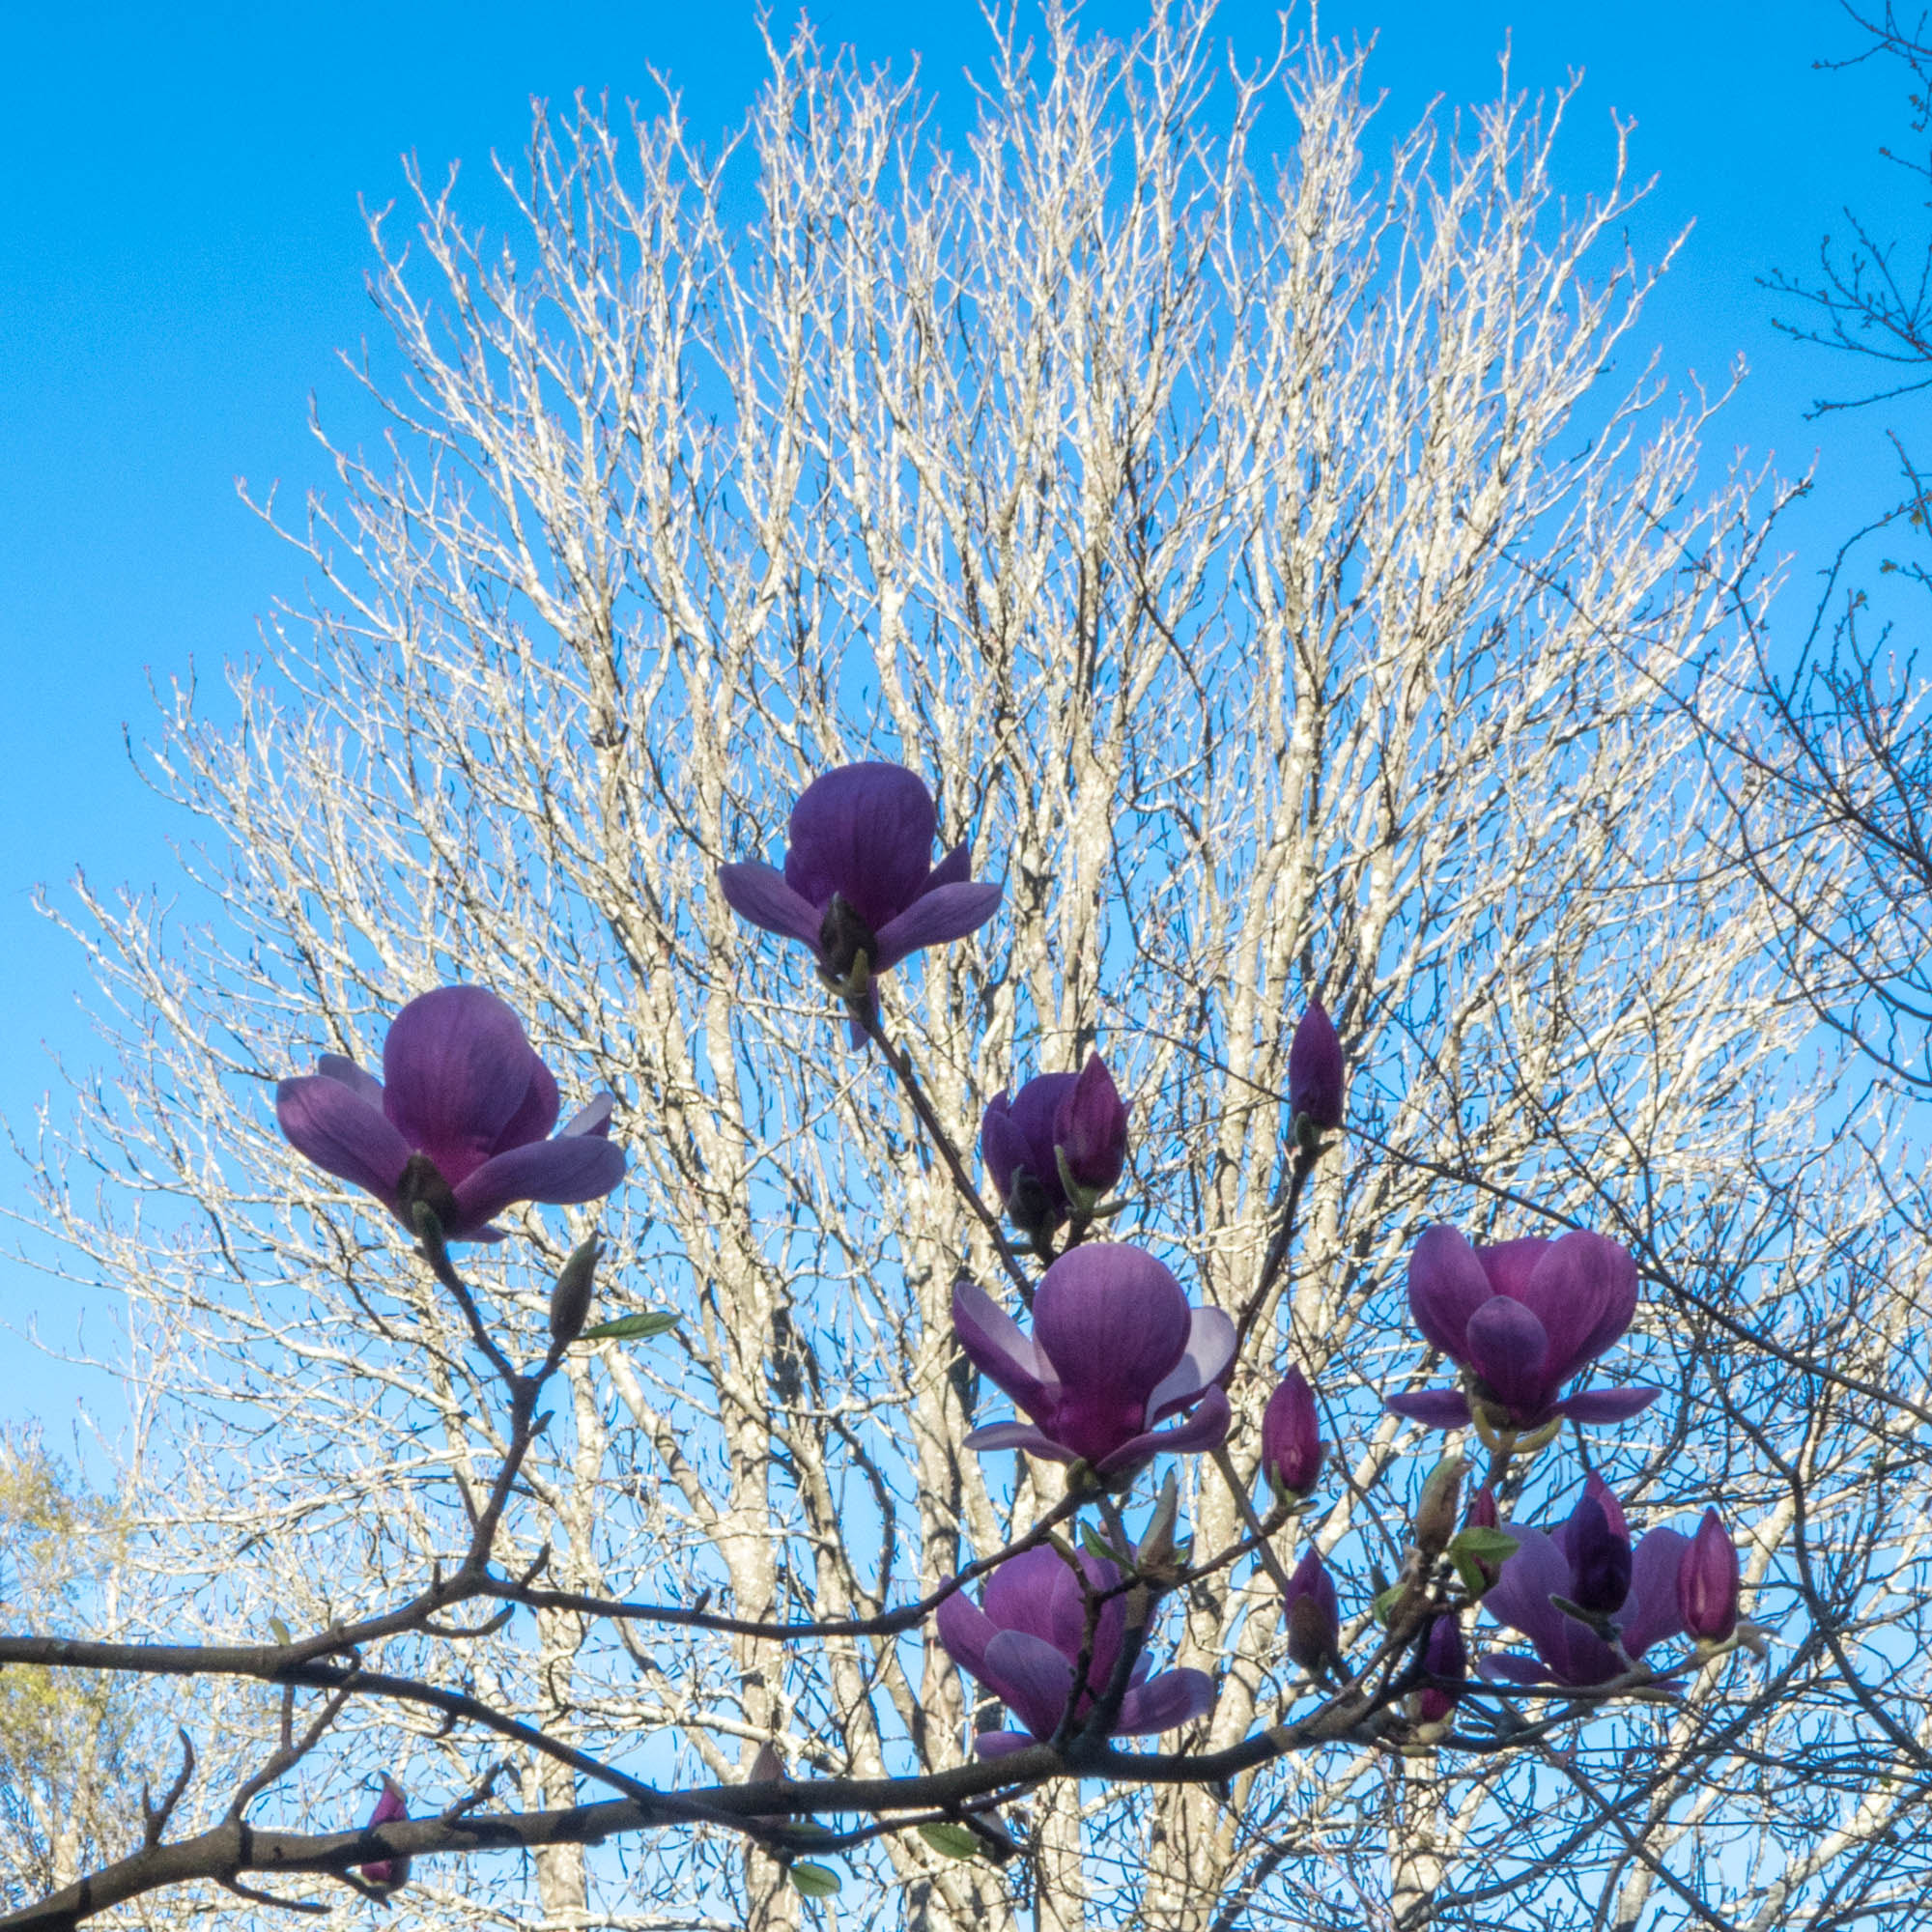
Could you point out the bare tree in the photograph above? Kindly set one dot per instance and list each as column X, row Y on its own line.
column 1277, row 584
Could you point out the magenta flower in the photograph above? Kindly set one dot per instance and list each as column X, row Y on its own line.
column 1315, row 1071
column 1057, row 1145
column 459, row 1118
column 1444, row 1656
column 387, row 1875
column 1290, row 1437
column 1115, row 1349
column 1025, row 1646
column 859, row 886
column 1708, row 1582
column 1588, row 1562
column 1314, row 1616
column 1521, row 1317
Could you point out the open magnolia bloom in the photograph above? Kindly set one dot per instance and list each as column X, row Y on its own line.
column 459, row 1120
column 1521, row 1318
column 1588, row 1562
column 859, row 886
column 1024, row 1646
column 1115, row 1349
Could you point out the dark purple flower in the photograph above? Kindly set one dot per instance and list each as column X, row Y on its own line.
column 859, row 885
column 459, row 1118
column 1315, row 1069
column 1635, row 1591
column 1708, row 1582
column 1446, row 1656
column 387, row 1875
column 1314, row 1616
column 1115, row 1349
column 1521, row 1317
column 1290, row 1436
column 1025, row 1646
column 1056, row 1146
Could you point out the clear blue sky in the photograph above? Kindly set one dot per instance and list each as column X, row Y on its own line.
column 183, row 255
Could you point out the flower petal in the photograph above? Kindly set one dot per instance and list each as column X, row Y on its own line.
column 1164, row 1703
column 456, row 1070
column 536, row 1116
column 947, row 911
column 1652, row 1613
column 865, row 833
column 1583, row 1291
column 1211, row 1348
column 759, row 893
column 1507, row 1347
column 965, row 1631
column 1513, row 1669
column 1206, row 1428
column 1113, row 1322
column 330, row 1123
column 1030, row 1677
column 338, row 1067
column 1446, row 1285
column 997, row 1347
column 1519, row 1597
column 1434, row 1408
column 1607, row 1405
column 954, row 869
column 1020, row 1436
column 593, row 1118
column 1003, row 1744
column 586, row 1167
column 1509, row 1265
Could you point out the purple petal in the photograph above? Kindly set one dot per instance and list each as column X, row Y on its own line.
column 330, row 1123
column 562, row 1171
column 1003, row 1744
column 456, row 1070
column 865, row 833
column 997, row 1347
column 1315, row 1069
column 954, row 869
column 1446, row 1285
column 1206, row 1428
column 1607, row 1405
column 1509, row 1265
column 1507, row 1347
column 1514, row 1670
column 1211, row 1348
column 1434, row 1408
column 1113, row 1321
column 947, row 911
column 1090, row 1127
column 1164, row 1703
column 965, row 1629
column 1025, row 1435
column 760, row 893
column 1652, row 1613
column 1030, row 1677
column 1037, row 1592
column 1583, row 1291
column 1519, row 1597
column 1709, row 1582
column 338, row 1067
column 1004, row 1147
column 594, row 1118
column 537, row 1114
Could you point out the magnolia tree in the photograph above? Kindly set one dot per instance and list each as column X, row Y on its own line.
column 1267, row 1328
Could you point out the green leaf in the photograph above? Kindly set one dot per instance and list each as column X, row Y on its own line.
column 1387, row 1602
column 1483, row 1545
column 633, row 1327
column 814, row 1881
column 951, row 1841
column 281, row 1631
column 1097, row 1545
column 1471, row 1573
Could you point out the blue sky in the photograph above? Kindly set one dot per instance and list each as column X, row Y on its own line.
column 182, row 256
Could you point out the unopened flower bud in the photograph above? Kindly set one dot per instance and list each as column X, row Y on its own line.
column 385, row 1876
column 1089, row 1135
column 1314, row 1616
column 1154, row 1559
column 1438, row 1507
column 1708, row 1582
column 1446, row 1656
column 571, row 1295
column 1290, row 1437
column 1315, row 1071
column 1599, row 1558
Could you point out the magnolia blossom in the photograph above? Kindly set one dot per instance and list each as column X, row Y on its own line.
column 1290, row 1436
column 1060, row 1132
column 859, row 886
column 387, row 1875
column 1025, row 1645
column 1115, row 1349
column 1521, row 1317
column 1588, row 1562
column 1708, row 1582
column 1315, row 1069
column 1445, row 1656
column 459, row 1118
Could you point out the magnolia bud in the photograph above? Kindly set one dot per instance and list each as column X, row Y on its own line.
column 1315, row 1069
column 1438, row 1507
column 1156, row 1557
column 1708, row 1582
column 1446, row 1656
column 1292, row 1438
column 385, row 1876
column 1089, row 1135
column 570, row 1297
column 1314, row 1618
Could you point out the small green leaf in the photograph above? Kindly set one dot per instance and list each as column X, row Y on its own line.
column 281, row 1631
column 1471, row 1573
column 633, row 1327
column 951, row 1841
column 814, row 1881
column 1483, row 1545
column 1097, row 1545
column 1387, row 1602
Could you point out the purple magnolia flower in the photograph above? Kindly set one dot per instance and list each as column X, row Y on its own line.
column 1314, row 1616
column 1290, row 1437
column 1444, row 1655
column 459, row 1118
column 1025, row 1646
column 387, row 1875
column 859, row 886
column 1315, row 1069
column 1708, row 1582
column 1589, row 1562
column 1115, row 1349
column 1521, row 1317
column 1057, row 1145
